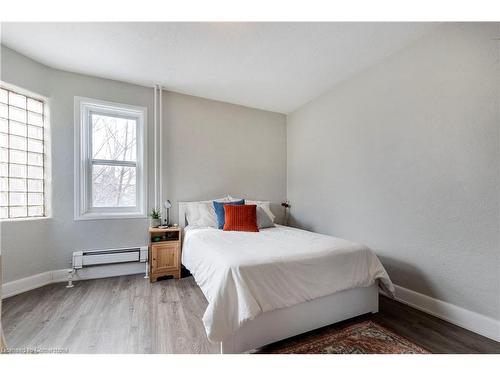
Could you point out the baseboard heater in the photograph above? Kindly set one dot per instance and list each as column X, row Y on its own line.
column 89, row 258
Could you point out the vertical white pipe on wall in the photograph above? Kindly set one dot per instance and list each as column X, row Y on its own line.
column 161, row 146
column 155, row 147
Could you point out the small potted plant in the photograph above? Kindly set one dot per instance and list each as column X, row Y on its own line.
column 155, row 218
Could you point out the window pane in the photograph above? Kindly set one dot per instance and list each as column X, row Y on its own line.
column 35, row 145
column 35, row 119
column 18, row 212
column 4, row 140
column 17, row 100
column 35, row 198
column 3, row 96
column 17, row 184
column 113, row 138
column 4, row 212
column 4, row 125
column 35, row 172
column 4, row 112
column 4, row 199
column 4, row 155
column 35, row 105
column 113, row 186
column 17, row 170
column 35, row 211
column 35, row 132
column 4, row 183
column 17, row 199
column 17, row 114
column 4, row 169
column 18, row 157
column 18, row 128
column 35, row 185
column 17, row 142
column 35, row 159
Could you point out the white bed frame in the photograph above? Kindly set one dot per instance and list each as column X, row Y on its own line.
column 283, row 323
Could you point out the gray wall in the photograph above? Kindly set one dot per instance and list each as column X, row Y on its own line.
column 31, row 247
column 212, row 149
column 404, row 158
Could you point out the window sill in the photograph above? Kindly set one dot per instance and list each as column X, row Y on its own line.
column 23, row 219
column 103, row 216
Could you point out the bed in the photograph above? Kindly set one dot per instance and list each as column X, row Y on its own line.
column 280, row 282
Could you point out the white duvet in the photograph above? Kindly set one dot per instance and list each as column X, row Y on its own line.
column 244, row 274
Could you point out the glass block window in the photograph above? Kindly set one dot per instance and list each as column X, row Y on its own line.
column 22, row 158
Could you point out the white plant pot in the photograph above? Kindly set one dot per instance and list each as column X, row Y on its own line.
column 154, row 223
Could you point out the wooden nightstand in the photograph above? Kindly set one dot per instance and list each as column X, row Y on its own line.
column 165, row 253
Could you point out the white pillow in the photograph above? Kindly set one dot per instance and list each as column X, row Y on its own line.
column 263, row 218
column 227, row 198
column 266, row 206
column 202, row 213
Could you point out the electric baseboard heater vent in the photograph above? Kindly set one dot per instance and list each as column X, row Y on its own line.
column 88, row 258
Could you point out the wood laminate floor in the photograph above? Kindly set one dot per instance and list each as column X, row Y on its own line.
column 130, row 315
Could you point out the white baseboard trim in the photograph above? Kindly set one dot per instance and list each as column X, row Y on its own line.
column 459, row 316
column 15, row 287
column 28, row 283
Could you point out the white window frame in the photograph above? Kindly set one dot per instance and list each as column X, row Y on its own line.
column 84, row 107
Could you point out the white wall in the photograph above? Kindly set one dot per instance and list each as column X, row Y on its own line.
column 35, row 246
column 404, row 158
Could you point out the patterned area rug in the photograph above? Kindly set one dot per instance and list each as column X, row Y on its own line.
column 361, row 338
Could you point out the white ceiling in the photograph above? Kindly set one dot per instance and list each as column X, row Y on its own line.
column 273, row 66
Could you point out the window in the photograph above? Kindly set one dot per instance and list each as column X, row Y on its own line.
column 22, row 155
column 110, row 179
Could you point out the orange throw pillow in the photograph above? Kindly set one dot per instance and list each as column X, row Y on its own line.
column 241, row 218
